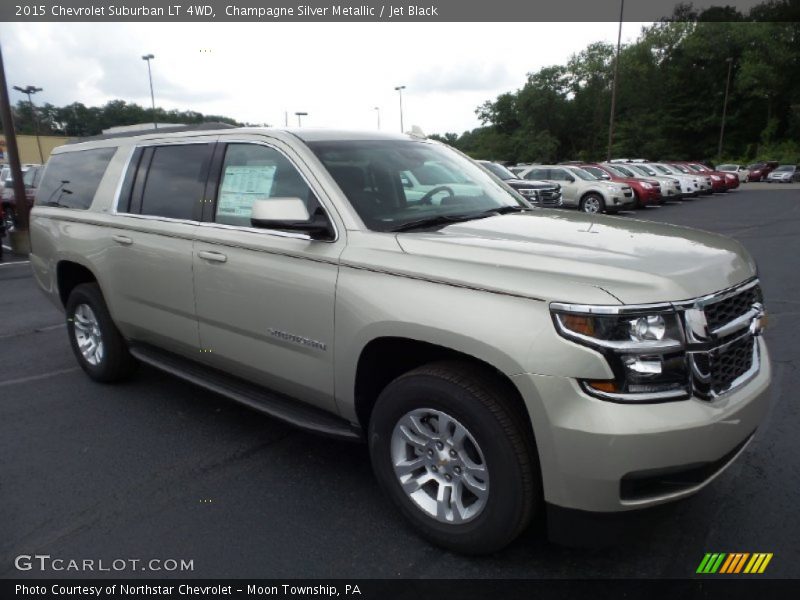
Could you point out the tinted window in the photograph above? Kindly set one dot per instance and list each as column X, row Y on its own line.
column 253, row 172
column 71, row 178
column 537, row 174
column 176, row 181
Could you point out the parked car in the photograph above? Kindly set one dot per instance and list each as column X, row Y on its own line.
column 760, row 170
column 670, row 187
column 718, row 180
column 784, row 174
column 499, row 360
column 739, row 170
column 730, row 180
column 541, row 193
column 645, row 192
column 31, row 175
column 691, row 185
column 582, row 190
column 703, row 179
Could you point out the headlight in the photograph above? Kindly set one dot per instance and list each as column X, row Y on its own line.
column 646, row 185
column 645, row 351
column 714, row 178
column 528, row 193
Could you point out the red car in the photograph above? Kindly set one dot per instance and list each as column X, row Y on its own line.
column 645, row 191
column 731, row 180
column 718, row 181
column 760, row 170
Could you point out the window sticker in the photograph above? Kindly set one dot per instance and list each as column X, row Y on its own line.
column 243, row 185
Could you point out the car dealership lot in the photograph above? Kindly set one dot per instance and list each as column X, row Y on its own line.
column 157, row 468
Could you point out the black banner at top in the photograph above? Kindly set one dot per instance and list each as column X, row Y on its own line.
column 356, row 11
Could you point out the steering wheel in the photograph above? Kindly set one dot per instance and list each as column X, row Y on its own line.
column 426, row 199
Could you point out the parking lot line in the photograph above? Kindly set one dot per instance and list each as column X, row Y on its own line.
column 19, row 380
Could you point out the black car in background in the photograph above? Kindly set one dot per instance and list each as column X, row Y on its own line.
column 541, row 193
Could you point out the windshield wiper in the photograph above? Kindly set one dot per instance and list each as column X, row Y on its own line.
column 432, row 222
column 448, row 219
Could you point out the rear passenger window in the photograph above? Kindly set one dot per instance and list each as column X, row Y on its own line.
column 71, row 178
column 253, row 172
column 176, row 180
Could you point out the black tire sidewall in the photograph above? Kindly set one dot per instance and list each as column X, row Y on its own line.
column 498, row 523
column 599, row 198
column 114, row 348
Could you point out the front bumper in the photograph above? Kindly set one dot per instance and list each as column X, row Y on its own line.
column 590, row 450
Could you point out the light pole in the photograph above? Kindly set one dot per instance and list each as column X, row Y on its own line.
column 399, row 89
column 30, row 90
column 378, row 113
column 300, row 114
column 614, row 84
column 729, row 60
column 148, row 58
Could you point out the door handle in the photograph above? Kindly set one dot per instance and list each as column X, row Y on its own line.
column 122, row 239
column 212, row 256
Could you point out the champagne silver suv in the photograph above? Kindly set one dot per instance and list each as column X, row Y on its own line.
column 499, row 359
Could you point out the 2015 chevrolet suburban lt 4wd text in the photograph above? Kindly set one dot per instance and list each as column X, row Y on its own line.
column 498, row 358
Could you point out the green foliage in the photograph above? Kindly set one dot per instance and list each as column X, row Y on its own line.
column 670, row 94
column 78, row 120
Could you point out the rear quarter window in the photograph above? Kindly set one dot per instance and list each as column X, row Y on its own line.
column 71, row 178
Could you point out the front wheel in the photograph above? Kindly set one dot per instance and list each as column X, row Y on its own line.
column 96, row 342
column 592, row 204
column 455, row 456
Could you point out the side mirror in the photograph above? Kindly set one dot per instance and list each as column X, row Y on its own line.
column 289, row 214
column 570, row 178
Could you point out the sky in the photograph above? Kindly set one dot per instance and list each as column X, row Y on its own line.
column 257, row 72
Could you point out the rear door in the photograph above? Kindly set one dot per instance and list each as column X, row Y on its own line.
column 150, row 247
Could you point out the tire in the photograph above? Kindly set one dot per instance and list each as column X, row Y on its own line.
column 637, row 201
column 479, row 404
column 88, row 318
column 592, row 200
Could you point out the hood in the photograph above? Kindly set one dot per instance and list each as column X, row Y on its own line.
column 531, row 183
column 536, row 253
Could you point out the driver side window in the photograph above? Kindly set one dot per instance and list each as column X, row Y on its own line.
column 253, row 172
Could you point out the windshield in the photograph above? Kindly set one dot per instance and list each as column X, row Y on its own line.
column 664, row 169
column 498, row 170
column 695, row 168
column 644, row 170
column 619, row 171
column 682, row 168
column 585, row 175
column 727, row 168
column 784, row 168
column 396, row 182
column 597, row 172
column 756, row 166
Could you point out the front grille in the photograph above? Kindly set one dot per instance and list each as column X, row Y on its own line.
column 549, row 197
column 725, row 311
column 727, row 360
column 718, row 369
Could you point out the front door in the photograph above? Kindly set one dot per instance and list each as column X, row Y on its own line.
column 265, row 299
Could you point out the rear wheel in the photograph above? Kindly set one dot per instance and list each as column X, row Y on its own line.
column 96, row 342
column 593, row 203
column 453, row 453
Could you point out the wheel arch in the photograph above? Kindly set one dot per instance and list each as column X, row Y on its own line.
column 70, row 274
column 385, row 358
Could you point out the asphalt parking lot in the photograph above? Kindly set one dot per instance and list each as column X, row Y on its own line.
column 157, row 468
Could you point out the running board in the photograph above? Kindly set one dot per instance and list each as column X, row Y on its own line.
column 279, row 406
